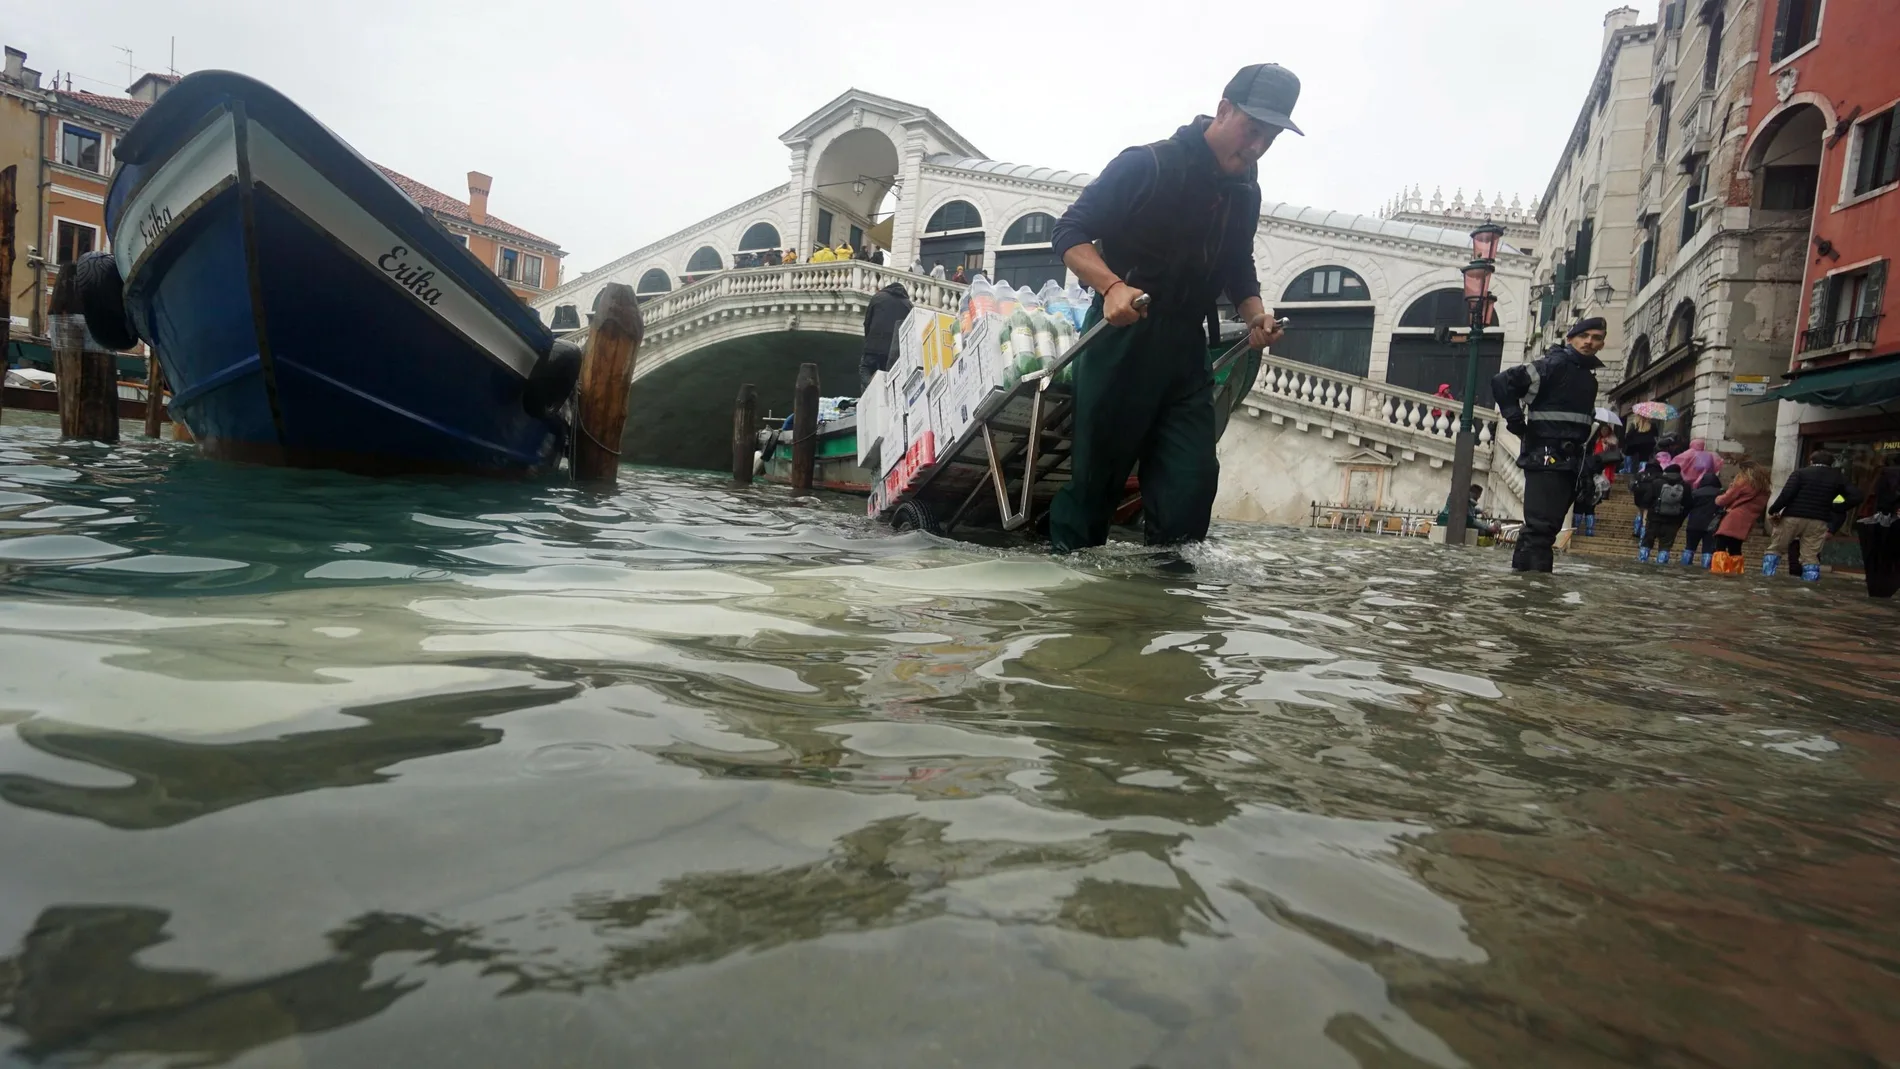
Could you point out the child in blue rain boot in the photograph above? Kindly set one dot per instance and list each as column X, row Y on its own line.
column 1666, row 499
column 1701, row 521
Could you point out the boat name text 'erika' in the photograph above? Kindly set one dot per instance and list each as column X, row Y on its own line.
column 157, row 220
column 413, row 279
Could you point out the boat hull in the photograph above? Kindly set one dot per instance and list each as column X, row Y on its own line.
column 299, row 325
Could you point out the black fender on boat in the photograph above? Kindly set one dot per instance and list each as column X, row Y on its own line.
column 101, row 296
column 552, row 381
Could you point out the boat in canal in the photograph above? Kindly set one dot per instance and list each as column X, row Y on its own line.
column 307, row 312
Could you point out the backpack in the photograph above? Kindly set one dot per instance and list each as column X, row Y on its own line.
column 1671, row 499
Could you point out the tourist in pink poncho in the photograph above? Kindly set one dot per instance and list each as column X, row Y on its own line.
column 1696, row 461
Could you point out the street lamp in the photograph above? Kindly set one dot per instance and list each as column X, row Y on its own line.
column 1478, row 304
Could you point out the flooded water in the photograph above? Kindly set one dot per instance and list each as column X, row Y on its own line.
column 298, row 769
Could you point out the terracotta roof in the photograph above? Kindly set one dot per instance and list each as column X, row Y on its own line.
column 125, row 106
column 434, row 200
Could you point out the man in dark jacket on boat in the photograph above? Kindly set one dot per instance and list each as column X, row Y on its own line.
column 1175, row 221
column 888, row 308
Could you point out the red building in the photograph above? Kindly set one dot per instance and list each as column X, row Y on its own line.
column 1824, row 137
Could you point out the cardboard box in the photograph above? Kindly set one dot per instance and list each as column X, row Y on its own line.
column 871, row 421
column 938, row 345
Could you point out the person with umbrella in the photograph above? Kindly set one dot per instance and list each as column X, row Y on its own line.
column 1549, row 404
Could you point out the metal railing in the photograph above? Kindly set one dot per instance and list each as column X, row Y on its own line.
column 1365, row 519
column 1857, row 331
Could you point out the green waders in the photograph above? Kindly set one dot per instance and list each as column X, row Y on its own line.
column 1143, row 394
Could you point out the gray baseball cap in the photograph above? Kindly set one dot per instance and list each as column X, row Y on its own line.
column 1266, row 91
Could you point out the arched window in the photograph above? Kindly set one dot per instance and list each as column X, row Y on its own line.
column 1036, row 264
column 1639, row 354
column 654, row 281
column 1681, row 327
column 1328, row 284
column 1419, row 360
column 1339, row 338
column 1443, row 308
column 566, row 317
column 1032, row 229
column 705, row 261
column 956, row 215
column 759, row 236
column 963, row 249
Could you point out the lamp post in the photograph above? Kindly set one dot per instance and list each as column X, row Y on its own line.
column 1478, row 302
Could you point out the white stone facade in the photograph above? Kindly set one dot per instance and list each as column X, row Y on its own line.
column 1598, row 180
column 933, row 165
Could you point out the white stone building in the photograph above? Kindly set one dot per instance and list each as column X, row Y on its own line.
column 1364, row 293
column 1588, row 219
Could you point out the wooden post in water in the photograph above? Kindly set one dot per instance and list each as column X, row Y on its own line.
column 88, row 379
column 745, row 422
column 804, row 428
column 154, row 395
column 606, row 369
column 8, row 206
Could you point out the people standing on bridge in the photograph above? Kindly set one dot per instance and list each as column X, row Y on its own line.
column 823, row 255
column 791, row 256
column 844, row 251
column 1176, row 220
column 882, row 316
column 1549, row 404
column 961, row 278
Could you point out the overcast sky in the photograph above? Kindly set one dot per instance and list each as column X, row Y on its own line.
column 608, row 124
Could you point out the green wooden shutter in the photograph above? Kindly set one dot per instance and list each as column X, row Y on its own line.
column 1548, row 310
column 1873, row 292
column 1891, row 169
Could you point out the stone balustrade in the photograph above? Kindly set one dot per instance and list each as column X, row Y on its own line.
column 1412, row 412
column 765, row 284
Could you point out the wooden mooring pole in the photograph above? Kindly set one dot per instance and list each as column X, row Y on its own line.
column 154, row 395
column 804, row 428
column 606, row 370
column 8, row 206
column 745, row 436
column 88, row 378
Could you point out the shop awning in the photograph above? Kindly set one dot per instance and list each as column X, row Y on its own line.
column 1867, row 382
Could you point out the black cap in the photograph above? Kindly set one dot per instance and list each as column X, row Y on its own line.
column 1266, row 91
column 1584, row 326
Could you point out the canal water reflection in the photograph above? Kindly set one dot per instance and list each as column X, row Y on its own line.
column 298, row 769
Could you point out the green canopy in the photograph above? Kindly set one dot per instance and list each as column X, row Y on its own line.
column 1866, row 382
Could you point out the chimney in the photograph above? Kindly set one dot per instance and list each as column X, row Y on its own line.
column 1621, row 18
column 478, row 197
column 151, row 86
column 16, row 65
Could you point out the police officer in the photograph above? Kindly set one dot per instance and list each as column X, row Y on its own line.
column 1549, row 404
column 1174, row 220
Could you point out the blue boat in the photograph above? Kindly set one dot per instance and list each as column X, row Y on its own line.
column 305, row 310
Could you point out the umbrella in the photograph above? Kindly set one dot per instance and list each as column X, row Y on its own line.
column 1655, row 410
column 1605, row 415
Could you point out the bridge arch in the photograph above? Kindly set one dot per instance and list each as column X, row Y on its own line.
column 1417, row 360
column 653, row 282
column 758, row 237
column 953, row 235
column 855, row 168
column 1026, row 256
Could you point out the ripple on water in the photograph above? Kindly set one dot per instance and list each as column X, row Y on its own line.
column 346, row 768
